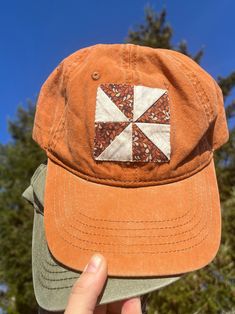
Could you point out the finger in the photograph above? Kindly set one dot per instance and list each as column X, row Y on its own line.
column 115, row 307
column 87, row 288
column 132, row 306
column 101, row 309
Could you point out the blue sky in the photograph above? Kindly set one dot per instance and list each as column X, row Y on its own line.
column 37, row 35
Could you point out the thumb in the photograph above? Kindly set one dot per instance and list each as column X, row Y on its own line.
column 84, row 294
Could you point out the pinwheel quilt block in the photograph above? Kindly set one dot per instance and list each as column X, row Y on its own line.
column 132, row 124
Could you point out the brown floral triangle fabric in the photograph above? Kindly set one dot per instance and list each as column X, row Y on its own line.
column 143, row 149
column 159, row 112
column 105, row 134
column 122, row 96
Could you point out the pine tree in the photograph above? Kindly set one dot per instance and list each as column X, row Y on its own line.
column 156, row 33
column 211, row 289
column 18, row 161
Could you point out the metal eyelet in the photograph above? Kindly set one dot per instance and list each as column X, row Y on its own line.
column 95, row 75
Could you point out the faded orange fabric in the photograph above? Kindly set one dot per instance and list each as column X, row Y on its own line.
column 146, row 218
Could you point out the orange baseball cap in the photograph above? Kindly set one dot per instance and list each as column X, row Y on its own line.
column 129, row 132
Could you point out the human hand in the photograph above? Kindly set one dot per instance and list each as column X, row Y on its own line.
column 87, row 288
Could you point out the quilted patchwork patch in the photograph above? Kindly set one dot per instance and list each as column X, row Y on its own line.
column 132, row 123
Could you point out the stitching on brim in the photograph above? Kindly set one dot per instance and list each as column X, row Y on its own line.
column 131, row 229
column 54, row 272
column 133, row 221
column 52, row 265
column 63, row 270
column 52, row 288
column 60, row 279
column 122, row 252
column 126, row 222
column 130, row 222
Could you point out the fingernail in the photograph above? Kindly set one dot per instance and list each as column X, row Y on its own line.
column 93, row 265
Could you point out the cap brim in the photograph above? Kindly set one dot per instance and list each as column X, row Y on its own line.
column 158, row 230
column 53, row 281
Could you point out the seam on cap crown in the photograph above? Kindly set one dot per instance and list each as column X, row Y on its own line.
column 195, row 81
column 64, row 71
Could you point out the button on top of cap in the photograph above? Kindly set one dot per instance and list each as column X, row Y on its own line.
column 95, row 75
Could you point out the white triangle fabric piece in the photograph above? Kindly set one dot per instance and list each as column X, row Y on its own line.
column 159, row 134
column 144, row 98
column 106, row 110
column 120, row 148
